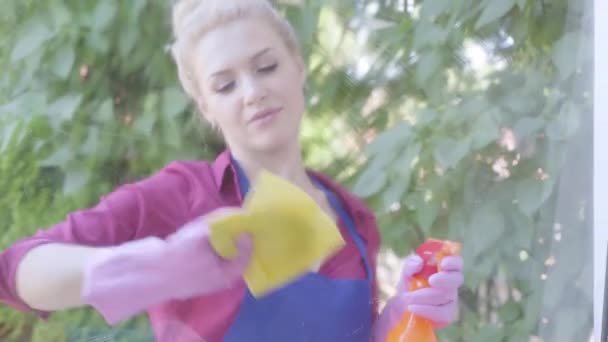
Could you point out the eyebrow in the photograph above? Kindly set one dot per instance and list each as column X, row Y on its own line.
column 258, row 54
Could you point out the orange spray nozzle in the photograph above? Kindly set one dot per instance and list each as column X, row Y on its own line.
column 432, row 253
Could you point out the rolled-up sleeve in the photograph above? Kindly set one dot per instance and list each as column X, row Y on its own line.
column 155, row 206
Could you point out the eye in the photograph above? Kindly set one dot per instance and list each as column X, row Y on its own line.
column 268, row 69
column 225, row 88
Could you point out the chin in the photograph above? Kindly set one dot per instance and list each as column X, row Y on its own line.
column 272, row 142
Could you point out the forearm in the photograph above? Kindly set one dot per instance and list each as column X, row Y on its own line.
column 49, row 277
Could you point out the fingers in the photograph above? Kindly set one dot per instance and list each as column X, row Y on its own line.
column 447, row 280
column 440, row 315
column 436, row 305
column 244, row 244
column 430, row 296
column 412, row 265
column 238, row 264
column 452, row 263
column 192, row 231
column 396, row 307
column 439, row 302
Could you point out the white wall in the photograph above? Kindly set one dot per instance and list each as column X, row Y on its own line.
column 600, row 159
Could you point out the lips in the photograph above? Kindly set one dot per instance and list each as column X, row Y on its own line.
column 264, row 114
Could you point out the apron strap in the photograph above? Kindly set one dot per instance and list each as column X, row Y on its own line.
column 244, row 187
column 243, row 182
column 336, row 203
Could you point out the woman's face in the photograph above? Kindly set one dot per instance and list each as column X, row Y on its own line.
column 251, row 85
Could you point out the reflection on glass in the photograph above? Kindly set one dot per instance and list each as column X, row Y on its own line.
column 467, row 120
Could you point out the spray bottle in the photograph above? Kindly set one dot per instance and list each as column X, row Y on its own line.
column 412, row 328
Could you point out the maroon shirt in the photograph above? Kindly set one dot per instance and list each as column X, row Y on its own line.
column 158, row 206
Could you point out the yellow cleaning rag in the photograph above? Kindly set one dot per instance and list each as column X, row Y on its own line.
column 290, row 233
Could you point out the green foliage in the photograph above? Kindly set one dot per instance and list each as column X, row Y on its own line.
column 409, row 119
column 90, row 100
column 442, row 166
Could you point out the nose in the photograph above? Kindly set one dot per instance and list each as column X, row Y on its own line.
column 254, row 91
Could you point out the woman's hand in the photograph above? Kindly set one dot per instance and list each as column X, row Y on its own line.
column 123, row 281
column 438, row 303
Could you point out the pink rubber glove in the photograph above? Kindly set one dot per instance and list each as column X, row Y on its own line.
column 125, row 280
column 438, row 303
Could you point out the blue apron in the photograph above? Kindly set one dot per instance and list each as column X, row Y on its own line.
column 312, row 308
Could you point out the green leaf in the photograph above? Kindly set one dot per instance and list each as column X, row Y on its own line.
column 565, row 54
column 33, row 34
column 64, row 108
column 395, row 191
column 520, row 331
column 566, row 124
column 428, row 65
column 522, row 228
column 485, row 131
column 393, row 137
column 532, row 193
column 425, row 116
column 509, row 311
column 369, row 183
column 527, row 126
column 127, row 41
column 75, row 180
column 448, row 152
column 146, row 120
column 407, row 160
column 90, row 145
column 478, row 271
column 566, row 324
column 26, row 104
column 103, row 14
column 489, row 333
column 521, row 4
column 63, row 62
column 172, row 133
column 173, row 101
column 402, row 171
column 9, row 131
column 533, row 302
column 466, row 111
column 98, row 42
column 429, row 34
column 106, row 111
column 434, row 8
column 151, row 102
column 493, row 10
column 145, row 123
column 486, row 227
column 137, row 7
column 61, row 15
column 426, row 214
column 553, row 159
column 457, row 223
column 59, row 157
column 373, row 178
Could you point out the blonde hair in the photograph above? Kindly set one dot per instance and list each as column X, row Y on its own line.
column 192, row 19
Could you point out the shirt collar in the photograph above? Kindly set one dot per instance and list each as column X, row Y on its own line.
column 225, row 176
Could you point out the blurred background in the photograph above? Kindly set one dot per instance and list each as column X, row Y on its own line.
column 461, row 119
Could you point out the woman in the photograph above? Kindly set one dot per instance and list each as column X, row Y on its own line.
column 144, row 247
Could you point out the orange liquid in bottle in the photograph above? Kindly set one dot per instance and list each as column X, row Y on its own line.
column 412, row 328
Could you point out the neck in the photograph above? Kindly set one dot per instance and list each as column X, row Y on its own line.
column 285, row 162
